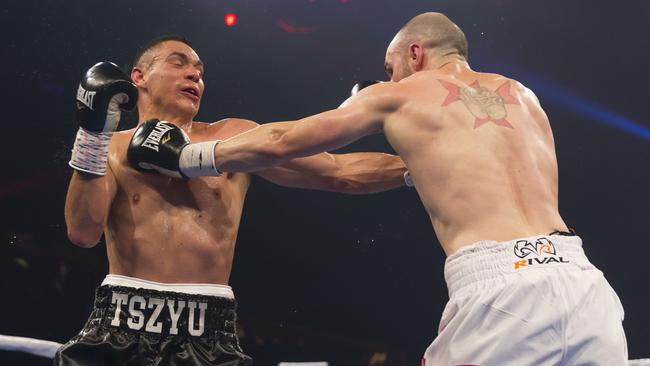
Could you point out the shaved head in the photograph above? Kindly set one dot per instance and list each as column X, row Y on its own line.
column 435, row 32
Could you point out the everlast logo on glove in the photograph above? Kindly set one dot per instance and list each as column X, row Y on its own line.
column 542, row 251
column 153, row 140
column 85, row 97
column 151, row 313
column 156, row 147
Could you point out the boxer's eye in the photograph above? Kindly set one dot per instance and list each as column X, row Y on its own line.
column 177, row 61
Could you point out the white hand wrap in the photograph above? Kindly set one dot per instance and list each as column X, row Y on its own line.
column 407, row 179
column 197, row 160
column 90, row 151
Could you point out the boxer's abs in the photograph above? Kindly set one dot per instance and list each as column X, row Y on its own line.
column 185, row 234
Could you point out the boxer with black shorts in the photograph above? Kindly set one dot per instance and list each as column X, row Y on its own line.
column 182, row 324
column 481, row 155
column 170, row 242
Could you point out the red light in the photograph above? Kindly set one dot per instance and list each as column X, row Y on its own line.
column 230, row 19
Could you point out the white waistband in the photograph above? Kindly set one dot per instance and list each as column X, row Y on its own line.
column 488, row 262
column 206, row 289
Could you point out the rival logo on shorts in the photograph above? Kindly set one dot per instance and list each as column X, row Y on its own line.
column 136, row 317
column 85, row 96
column 153, row 140
column 543, row 252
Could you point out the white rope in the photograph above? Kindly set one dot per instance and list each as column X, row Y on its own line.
column 640, row 362
column 48, row 349
column 29, row 345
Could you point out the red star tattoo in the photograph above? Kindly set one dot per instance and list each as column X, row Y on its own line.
column 454, row 92
column 486, row 105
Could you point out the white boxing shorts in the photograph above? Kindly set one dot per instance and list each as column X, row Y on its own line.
column 532, row 301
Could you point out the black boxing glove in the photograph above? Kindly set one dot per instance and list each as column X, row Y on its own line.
column 103, row 93
column 362, row 85
column 162, row 147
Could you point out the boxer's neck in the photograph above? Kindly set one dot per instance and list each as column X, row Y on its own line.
column 449, row 64
column 148, row 111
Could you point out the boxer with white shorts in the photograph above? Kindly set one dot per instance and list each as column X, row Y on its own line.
column 481, row 155
column 529, row 301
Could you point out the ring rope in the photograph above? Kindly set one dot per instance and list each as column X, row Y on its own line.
column 48, row 349
column 640, row 362
column 33, row 346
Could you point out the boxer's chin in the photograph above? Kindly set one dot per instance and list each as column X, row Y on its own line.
column 188, row 106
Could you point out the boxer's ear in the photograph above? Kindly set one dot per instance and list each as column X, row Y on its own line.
column 416, row 56
column 138, row 76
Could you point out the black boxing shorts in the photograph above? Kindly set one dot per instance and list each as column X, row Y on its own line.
column 138, row 322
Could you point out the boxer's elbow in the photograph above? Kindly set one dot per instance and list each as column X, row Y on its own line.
column 84, row 237
column 339, row 178
column 347, row 185
column 359, row 185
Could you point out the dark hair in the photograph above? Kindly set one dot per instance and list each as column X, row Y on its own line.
column 155, row 42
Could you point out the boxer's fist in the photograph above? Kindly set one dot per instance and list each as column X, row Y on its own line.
column 156, row 147
column 103, row 93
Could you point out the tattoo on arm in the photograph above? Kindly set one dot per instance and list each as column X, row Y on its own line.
column 484, row 104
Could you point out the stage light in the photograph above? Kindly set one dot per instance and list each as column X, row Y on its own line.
column 230, row 19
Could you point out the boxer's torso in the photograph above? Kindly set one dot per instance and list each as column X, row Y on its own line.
column 481, row 152
column 174, row 230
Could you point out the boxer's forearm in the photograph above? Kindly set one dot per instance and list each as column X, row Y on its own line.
column 276, row 143
column 86, row 208
column 251, row 151
column 370, row 172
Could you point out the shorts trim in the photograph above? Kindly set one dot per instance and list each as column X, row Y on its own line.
column 206, row 289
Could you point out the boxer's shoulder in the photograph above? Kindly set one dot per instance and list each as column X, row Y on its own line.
column 124, row 135
column 117, row 150
column 229, row 127
column 120, row 140
column 240, row 123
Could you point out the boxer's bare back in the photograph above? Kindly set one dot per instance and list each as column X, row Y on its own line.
column 481, row 153
column 478, row 146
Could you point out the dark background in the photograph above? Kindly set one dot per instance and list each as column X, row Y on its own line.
column 322, row 276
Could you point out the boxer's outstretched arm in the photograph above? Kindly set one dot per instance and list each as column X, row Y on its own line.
column 354, row 173
column 275, row 143
column 87, row 205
